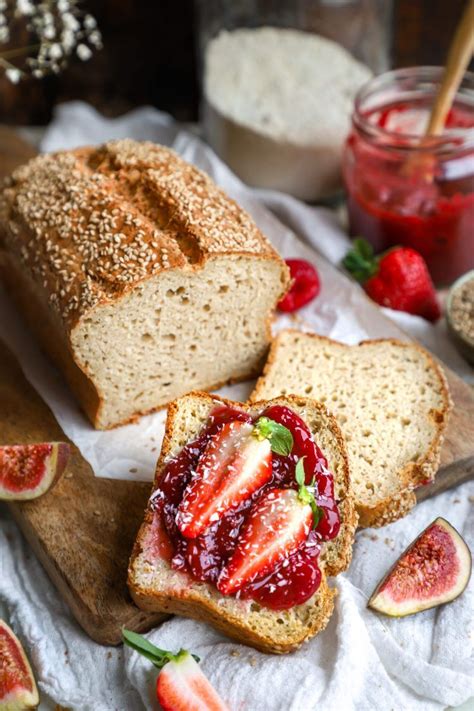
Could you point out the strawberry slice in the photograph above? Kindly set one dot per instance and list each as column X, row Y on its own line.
column 277, row 526
column 234, row 464
column 181, row 685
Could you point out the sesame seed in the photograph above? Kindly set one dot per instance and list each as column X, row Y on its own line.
column 97, row 228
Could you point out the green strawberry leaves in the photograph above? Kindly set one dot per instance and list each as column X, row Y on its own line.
column 158, row 657
column 305, row 493
column 281, row 439
column 360, row 261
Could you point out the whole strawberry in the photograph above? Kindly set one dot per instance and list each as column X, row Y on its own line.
column 398, row 279
column 305, row 285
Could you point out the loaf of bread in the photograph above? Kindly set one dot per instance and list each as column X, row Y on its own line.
column 391, row 401
column 155, row 586
column 140, row 277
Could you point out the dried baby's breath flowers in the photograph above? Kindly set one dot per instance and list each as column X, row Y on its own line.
column 58, row 30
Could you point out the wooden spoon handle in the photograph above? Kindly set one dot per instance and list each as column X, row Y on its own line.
column 459, row 57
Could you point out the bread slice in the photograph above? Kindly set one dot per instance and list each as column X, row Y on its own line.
column 391, row 400
column 155, row 586
column 139, row 276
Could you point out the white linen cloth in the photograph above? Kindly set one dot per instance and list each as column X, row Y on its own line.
column 362, row 661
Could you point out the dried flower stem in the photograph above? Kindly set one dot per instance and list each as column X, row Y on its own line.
column 19, row 51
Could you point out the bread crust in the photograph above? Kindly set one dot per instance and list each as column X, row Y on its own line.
column 190, row 603
column 203, row 610
column 413, row 474
column 181, row 217
column 83, row 228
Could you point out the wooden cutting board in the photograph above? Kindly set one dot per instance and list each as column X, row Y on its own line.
column 83, row 530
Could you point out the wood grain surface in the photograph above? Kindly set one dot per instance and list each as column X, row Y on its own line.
column 83, row 529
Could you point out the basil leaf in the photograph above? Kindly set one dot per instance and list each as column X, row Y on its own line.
column 281, row 439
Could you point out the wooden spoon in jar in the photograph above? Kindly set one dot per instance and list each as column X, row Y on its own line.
column 459, row 56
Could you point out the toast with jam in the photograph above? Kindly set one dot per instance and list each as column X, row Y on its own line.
column 251, row 511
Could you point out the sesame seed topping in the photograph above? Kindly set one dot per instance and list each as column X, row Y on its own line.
column 90, row 224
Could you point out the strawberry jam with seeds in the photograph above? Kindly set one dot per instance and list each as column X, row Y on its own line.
column 298, row 577
column 404, row 189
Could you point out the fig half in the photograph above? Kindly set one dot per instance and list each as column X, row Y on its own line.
column 18, row 688
column 433, row 570
column 29, row 470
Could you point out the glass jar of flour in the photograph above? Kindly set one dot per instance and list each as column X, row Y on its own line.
column 279, row 80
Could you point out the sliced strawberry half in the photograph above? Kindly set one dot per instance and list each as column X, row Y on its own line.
column 234, row 464
column 181, row 685
column 277, row 526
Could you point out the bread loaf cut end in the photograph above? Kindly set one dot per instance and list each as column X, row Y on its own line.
column 186, row 329
column 139, row 276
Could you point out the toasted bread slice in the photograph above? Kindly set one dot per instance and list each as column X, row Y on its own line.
column 154, row 585
column 391, row 400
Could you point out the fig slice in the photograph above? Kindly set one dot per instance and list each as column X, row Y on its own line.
column 433, row 570
column 29, row 470
column 18, row 688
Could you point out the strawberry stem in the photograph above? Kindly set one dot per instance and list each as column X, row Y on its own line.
column 305, row 493
column 158, row 657
column 360, row 261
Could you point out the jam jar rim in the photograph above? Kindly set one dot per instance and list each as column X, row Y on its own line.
column 425, row 80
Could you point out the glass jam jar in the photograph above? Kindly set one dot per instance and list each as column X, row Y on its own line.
column 403, row 189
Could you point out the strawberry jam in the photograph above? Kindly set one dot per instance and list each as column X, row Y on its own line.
column 295, row 579
column 404, row 189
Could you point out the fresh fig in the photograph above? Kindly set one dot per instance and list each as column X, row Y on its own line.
column 29, row 470
column 18, row 689
column 433, row 570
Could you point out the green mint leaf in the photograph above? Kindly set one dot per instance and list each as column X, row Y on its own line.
column 306, row 494
column 300, row 475
column 317, row 512
column 280, row 437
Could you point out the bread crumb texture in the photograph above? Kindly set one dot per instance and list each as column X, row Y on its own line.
column 391, row 401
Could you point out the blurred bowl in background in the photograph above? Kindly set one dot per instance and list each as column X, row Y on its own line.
column 460, row 315
column 277, row 97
